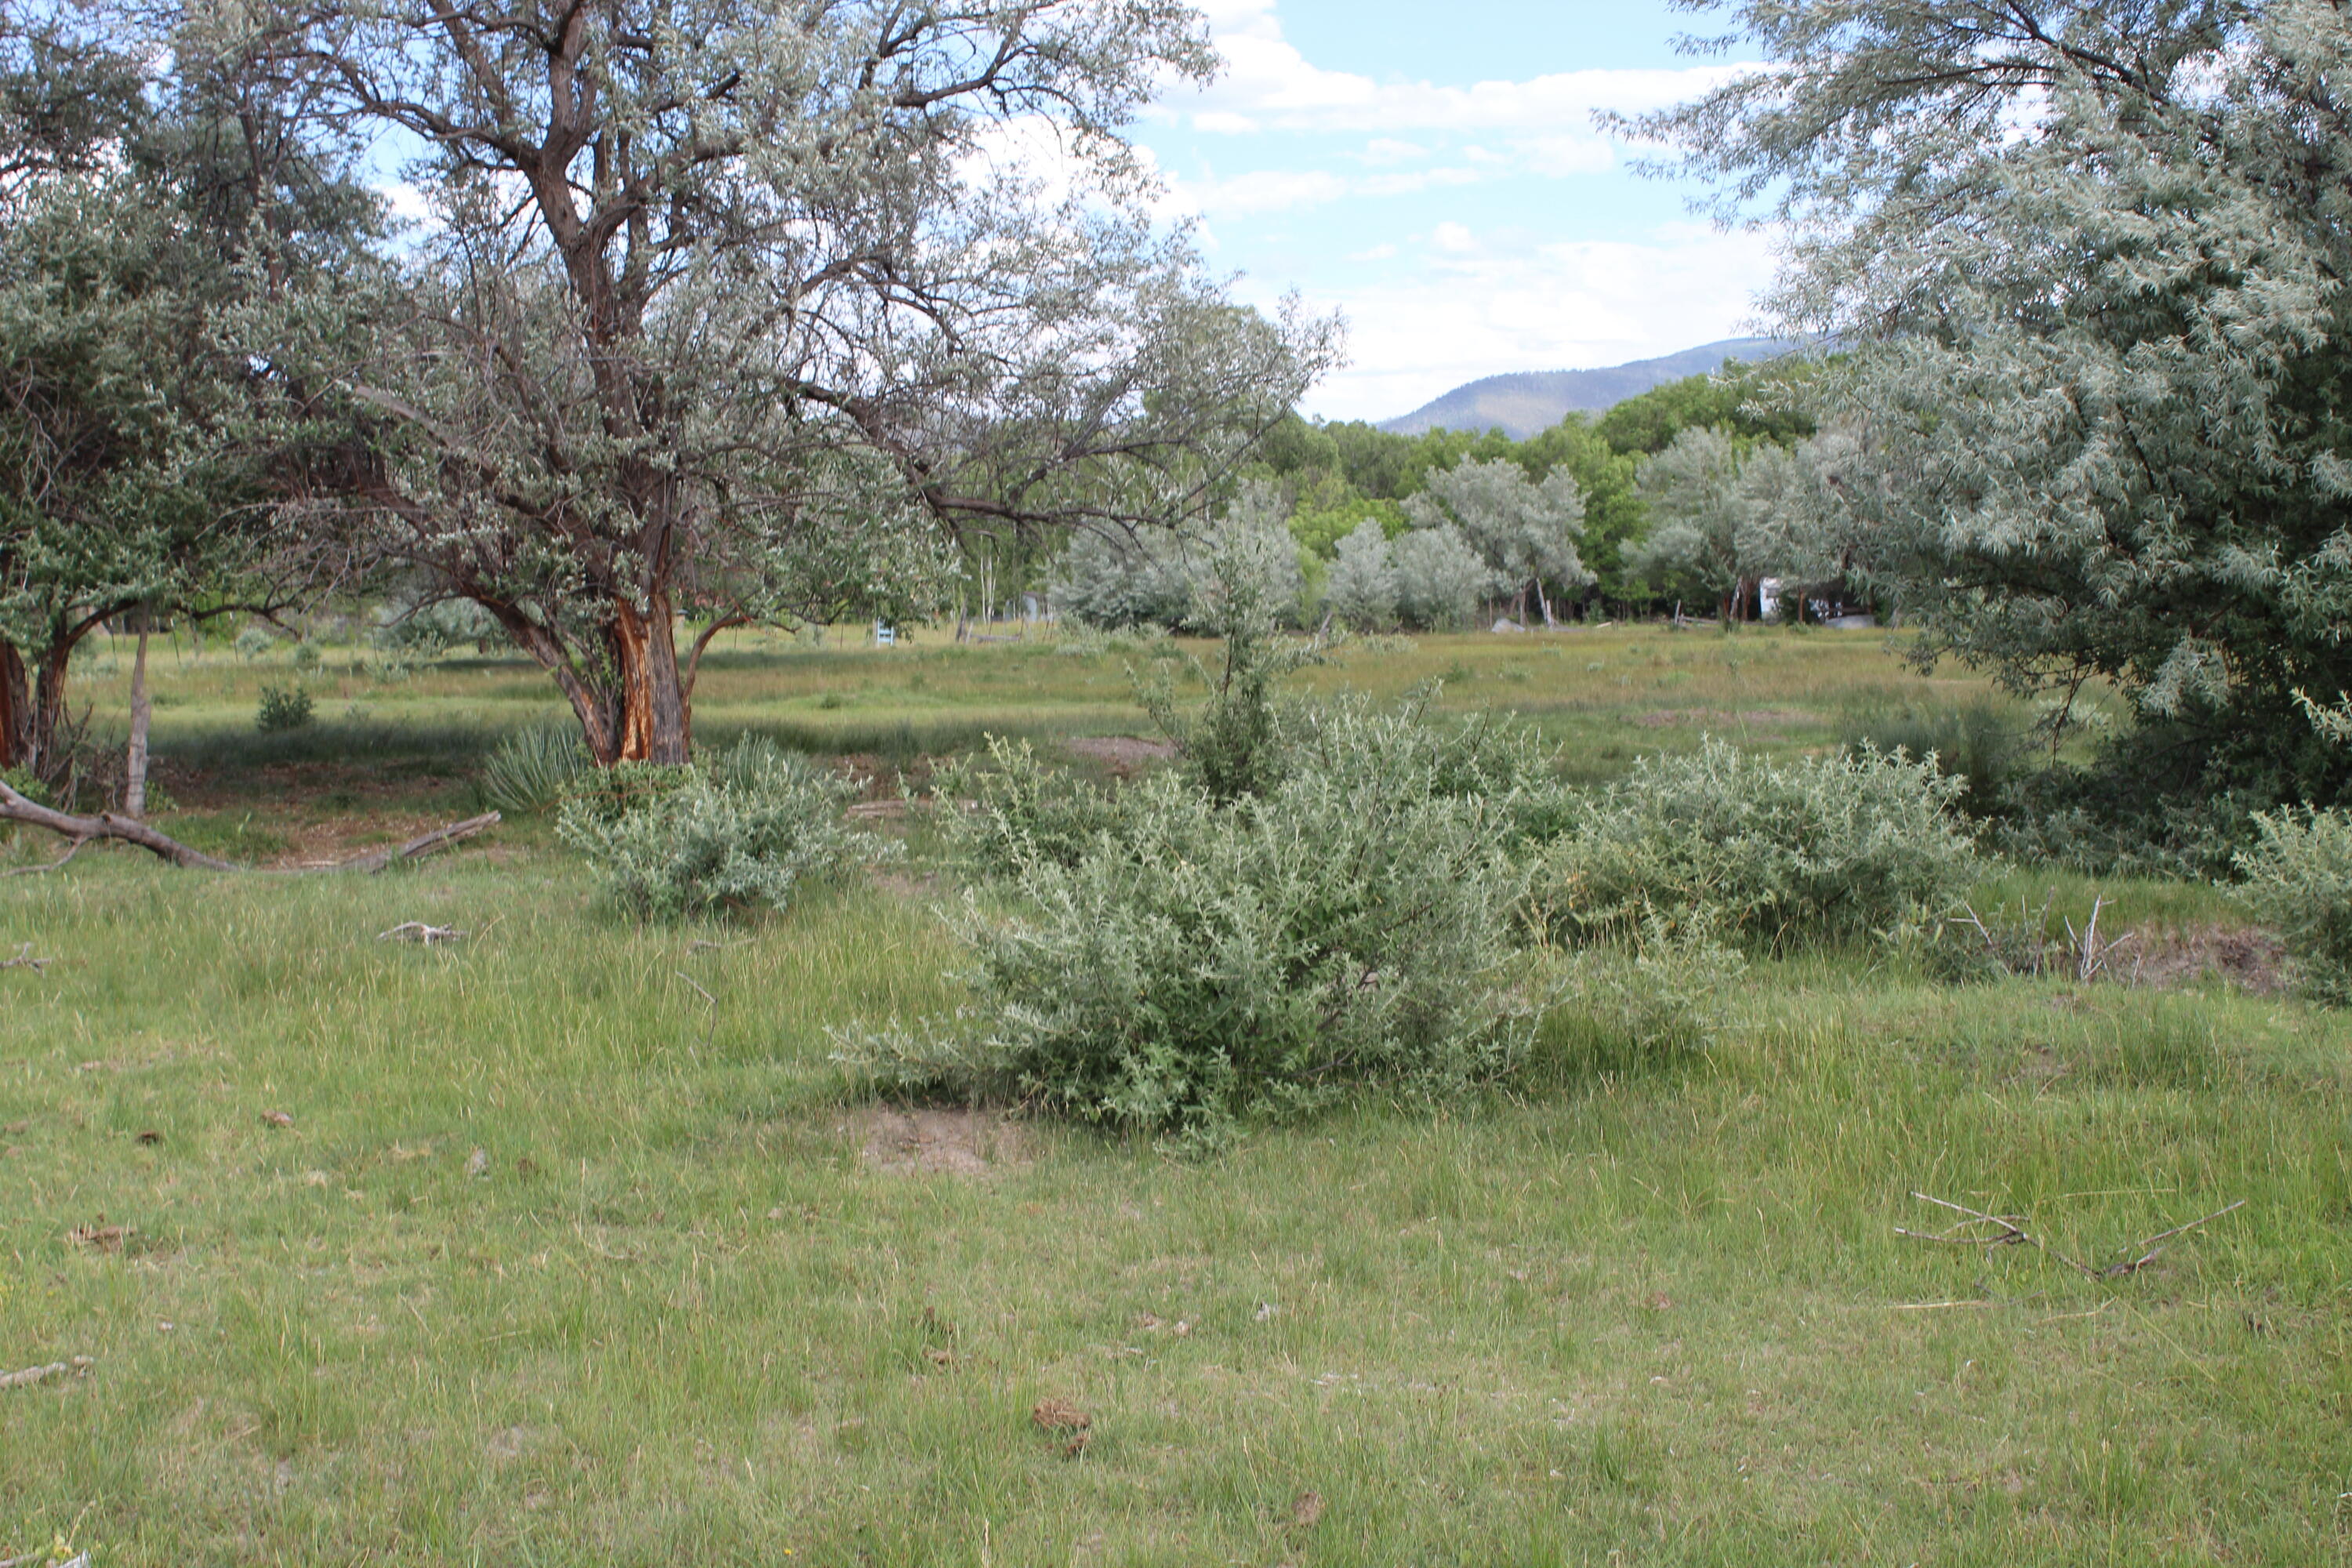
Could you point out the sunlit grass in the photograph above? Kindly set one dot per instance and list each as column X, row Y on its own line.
column 572, row 1253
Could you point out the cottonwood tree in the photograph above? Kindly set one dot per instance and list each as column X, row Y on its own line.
column 1525, row 531
column 1360, row 592
column 2086, row 260
column 1697, row 520
column 724, row 309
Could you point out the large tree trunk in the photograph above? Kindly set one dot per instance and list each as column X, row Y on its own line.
column 653, row 727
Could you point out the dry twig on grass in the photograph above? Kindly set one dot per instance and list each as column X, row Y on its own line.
column 417, row 930
column 25, row 959
column 2090, row 956
column 2008, row 1230
column 33, row 1374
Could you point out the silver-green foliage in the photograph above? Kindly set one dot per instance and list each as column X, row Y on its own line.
column 1360, row 592
column 1440, row 577
column 1526, row 531
column 749, row 826
column 532, row 770
column 1861, row 845
column 2299, row 877
column 1192, row 965
column 2084, row 261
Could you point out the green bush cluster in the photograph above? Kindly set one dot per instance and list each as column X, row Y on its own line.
column 1864, row 846
column 752, row 826
column 1180, row 965
column 2299, row 877
column 283, row 708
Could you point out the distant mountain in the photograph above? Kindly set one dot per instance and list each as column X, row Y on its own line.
column 1536, row 400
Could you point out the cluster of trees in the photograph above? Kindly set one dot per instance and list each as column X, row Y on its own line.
column 709, row 313
column 2084, row 261
column 1693, row 492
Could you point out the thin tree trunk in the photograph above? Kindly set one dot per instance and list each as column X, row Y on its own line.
column 15, row 710
column 135, row 769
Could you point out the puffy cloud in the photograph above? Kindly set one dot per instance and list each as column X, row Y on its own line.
column 1268, row 84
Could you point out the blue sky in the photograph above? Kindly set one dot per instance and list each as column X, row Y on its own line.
column 1434, row 173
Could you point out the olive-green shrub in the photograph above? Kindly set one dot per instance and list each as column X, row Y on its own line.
column 1865, row 845
column 749, row 827
column 2299, row 877
column 1186, row 966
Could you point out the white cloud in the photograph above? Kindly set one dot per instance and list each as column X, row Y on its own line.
column 1268, row 83
column 1388, row 149
column 1470, row 311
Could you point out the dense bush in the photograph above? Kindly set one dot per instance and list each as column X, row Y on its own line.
column 1828, row 848
column 1199, row 964
column 749, row 827
column 2299, row 877
column 283, row 708
column 533, row 769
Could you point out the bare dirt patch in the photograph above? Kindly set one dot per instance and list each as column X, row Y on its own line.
column 959, row 1143
column 1752, row 718
column 2167, row 957
column 1124, row 755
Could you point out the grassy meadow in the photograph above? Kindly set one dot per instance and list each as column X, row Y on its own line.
column 568, row 1243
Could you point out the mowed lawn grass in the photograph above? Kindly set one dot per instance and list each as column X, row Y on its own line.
column 576, row 1248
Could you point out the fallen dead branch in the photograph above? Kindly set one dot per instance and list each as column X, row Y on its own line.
column 33, row 1374
column 2008, row 1230
column 417, row 930
column 25, row 959
column 72, row 849
column 14, row 806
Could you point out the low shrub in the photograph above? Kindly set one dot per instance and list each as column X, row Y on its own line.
column 2299, row 877
column 1865, row 845
column 1009, row 810
column 1201, row 965
column 532, row 770
column 749, row 827
column 283, row 708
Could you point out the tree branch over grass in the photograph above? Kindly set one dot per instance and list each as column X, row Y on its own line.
column 16, row 808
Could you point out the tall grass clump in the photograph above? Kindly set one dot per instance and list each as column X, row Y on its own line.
column 750, row 826
column 2299, row 877
column 1194, row 965
column 532, row 770
column 1867, row 845
column 1975, row 744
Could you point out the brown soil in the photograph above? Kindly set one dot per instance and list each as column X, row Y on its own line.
column 960, row 1143
column 1124, row 755
column 2166, row 957
column 1763, row 718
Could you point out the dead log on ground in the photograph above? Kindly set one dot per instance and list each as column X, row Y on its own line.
column 14, row 806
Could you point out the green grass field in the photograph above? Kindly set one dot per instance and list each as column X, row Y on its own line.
column 568, row 1243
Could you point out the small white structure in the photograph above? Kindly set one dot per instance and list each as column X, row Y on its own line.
column 884, row 635
column 1767, row 597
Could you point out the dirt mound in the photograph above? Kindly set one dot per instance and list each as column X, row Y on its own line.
column 1124, row 755
column 960, row 1143
column 2165, row 957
